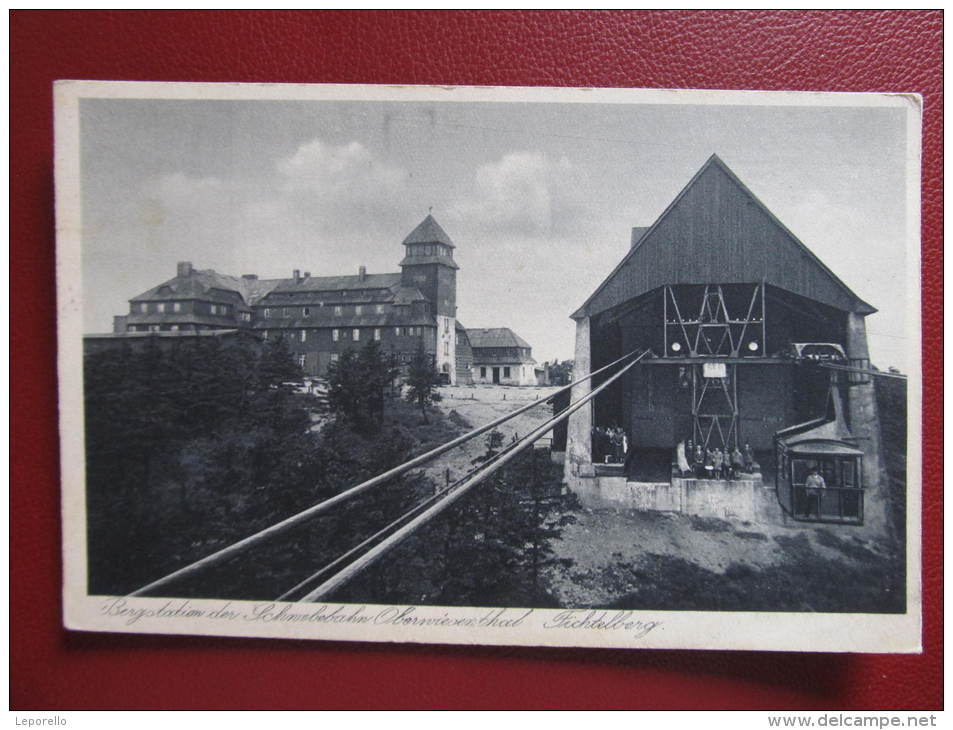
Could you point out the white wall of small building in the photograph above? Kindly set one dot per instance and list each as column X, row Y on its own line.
column 520, row 373
column 446, row 347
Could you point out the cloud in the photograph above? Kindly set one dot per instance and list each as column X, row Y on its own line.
column 522, row 193
column 321, row 200
column 340, row 185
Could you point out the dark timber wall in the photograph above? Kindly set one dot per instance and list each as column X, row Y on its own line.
column 654, row 402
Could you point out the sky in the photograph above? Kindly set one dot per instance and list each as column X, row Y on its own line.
column 539, row 198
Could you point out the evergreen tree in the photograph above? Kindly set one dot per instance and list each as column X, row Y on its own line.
column 560, row 373
column 357, row 385
column 422, row 381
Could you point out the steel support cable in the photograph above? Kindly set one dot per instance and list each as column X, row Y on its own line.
column 286, row 524
column 358, row 549
column 864, row 371
column 372, row 555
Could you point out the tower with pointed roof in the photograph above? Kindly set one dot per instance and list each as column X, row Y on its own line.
column 428, row 266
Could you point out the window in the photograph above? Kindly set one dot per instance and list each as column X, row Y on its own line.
column 304, row 335
column 246, row 316
column 357, row 334
column 160, row 307
column 338, row 310
column 153, row 328
column 174, row 328
column 377, row 333
column 849, row 478
column 506, row 372
column 177, row 306
column 307, row 311
column 264, row 334
column 266, row 314
column 301, row 361
column 358, row 309
column 335, row 334
column 446, row 348
column 397, row 331
column 286, row 312
column 482, row 372
column 334, row 357
column 379, row 309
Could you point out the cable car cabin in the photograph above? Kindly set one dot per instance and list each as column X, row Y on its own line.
column 819, row 475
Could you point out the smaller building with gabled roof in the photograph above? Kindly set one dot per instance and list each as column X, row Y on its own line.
column 501, row 356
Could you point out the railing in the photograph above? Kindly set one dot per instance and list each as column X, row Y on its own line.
column 828, row 504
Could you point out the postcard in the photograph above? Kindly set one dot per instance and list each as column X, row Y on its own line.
column 511, row 366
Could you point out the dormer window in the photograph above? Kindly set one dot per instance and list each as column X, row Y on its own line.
column 307, row 311
column 358, row 309
column 379, row 309
column 267, row 315
column 338, row 310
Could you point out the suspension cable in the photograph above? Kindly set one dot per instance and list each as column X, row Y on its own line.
column 392, row 526
column 370, row 557
column 863, row 371
column 288, row 523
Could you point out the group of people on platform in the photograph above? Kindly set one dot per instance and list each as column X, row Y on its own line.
column 693, row 459
column 610, row 445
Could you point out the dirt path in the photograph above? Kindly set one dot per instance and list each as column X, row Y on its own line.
column 480, row 404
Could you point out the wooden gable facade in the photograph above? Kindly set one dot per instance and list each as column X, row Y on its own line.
column 717, row 231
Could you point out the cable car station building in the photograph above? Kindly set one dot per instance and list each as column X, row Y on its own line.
column 742, row 320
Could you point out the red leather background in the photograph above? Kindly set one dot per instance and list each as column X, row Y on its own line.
column 53, row 669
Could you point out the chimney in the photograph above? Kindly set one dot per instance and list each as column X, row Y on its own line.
column 307, row 274
column 296, row 274
column 637, row 233
column 184, row 268
column 250, row 277
column 362, row 273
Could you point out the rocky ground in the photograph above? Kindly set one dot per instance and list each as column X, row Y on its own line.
column 653, row 560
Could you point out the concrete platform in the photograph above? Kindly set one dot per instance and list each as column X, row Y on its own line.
column 745, row 499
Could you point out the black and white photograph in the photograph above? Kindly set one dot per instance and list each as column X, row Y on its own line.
column 571, row 367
